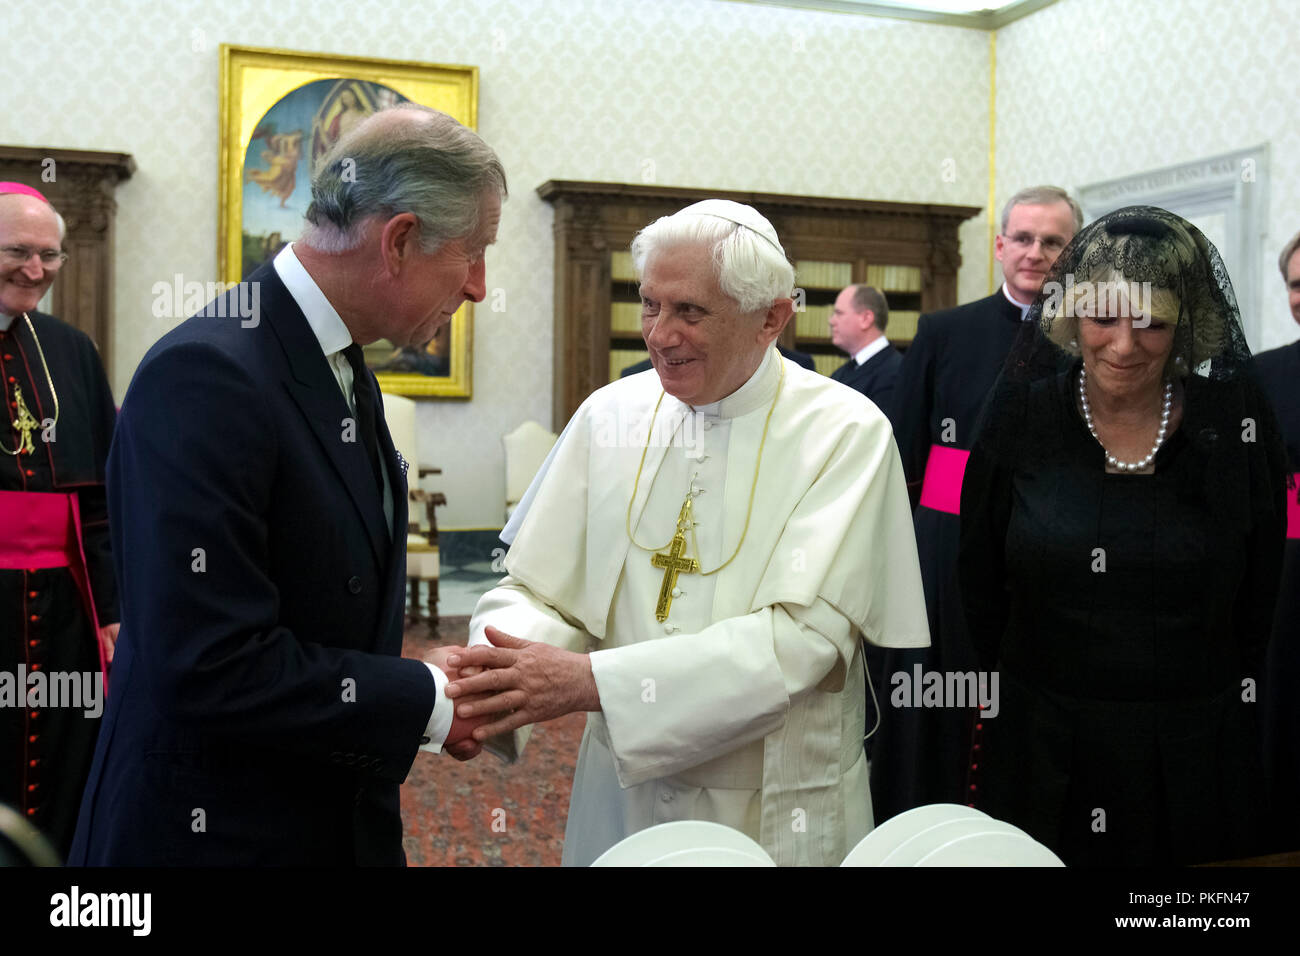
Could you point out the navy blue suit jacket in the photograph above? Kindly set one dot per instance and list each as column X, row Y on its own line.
column 875, row 377
column 258, row 709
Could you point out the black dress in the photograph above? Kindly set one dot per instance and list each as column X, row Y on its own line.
column 1127, row 616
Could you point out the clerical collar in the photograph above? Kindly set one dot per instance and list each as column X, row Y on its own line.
column 323, row 318
column 5, row 322
column 754, row 394
column 875, row 348
column 1024, row 309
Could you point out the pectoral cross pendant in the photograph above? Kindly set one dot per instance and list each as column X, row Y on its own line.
column 23, row 423
column 673, row 563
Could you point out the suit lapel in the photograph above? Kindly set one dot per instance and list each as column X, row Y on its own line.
column 316, row 392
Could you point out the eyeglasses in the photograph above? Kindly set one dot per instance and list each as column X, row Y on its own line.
column 1025, row 240
column 51, row 259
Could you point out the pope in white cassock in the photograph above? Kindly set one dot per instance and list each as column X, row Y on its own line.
column 718, row 533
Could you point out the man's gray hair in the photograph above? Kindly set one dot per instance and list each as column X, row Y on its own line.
column 751, row 268
column 1042, row 196
column 1287, row 252
column 407, row 158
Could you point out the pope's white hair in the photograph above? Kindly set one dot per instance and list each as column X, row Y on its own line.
column 750, row 269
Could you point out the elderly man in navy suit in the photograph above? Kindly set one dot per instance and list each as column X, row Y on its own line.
column 259, row 711
column 858, row 321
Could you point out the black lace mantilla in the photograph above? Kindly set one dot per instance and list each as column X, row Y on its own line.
column 1147, row 244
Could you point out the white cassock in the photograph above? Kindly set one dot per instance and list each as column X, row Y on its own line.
column 747, row 707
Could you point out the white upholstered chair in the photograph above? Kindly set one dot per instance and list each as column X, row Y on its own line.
column 526, row 448
column 946, row 834
column 685, row 843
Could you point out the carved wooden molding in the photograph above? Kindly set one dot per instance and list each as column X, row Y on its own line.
column 80, row 183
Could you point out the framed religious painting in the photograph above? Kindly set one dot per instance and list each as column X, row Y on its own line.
column 281, row 112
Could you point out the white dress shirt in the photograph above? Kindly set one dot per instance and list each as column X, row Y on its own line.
column 334, row 337
column 866, row 352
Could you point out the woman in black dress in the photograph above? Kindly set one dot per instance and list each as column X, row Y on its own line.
column 1122, row 527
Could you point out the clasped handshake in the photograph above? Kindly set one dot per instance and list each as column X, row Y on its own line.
column 508, row 683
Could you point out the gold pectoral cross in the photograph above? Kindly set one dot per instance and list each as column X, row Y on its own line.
column 673, row 563
column 23, row 423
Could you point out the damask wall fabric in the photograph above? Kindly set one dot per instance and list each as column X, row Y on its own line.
column 674, row 92
column 1092, row 90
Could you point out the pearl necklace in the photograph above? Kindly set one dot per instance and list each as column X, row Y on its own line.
column 1160, row 435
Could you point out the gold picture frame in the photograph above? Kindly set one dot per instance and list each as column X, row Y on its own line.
column 282, row 109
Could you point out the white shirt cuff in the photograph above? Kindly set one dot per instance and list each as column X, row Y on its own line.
column 440, row 720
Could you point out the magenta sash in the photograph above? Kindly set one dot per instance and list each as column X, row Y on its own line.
column 43, row 530
column 944, row 470
column 1293, row 512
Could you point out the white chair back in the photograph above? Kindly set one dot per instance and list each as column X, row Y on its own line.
column 919, row 845
column 399, row 412
column 526, row 448
column 991, row 849
column 884, row 839
column 685, row 843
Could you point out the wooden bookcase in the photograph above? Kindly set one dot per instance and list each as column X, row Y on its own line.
column 833, row 242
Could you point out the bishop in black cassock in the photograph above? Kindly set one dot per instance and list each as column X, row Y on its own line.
column 57, row 592
column 46, row 624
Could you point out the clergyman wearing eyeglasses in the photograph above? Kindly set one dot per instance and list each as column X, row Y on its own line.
column 58, row 599
column 923, row 755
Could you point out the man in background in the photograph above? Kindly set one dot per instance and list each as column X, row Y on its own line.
column 857, row 322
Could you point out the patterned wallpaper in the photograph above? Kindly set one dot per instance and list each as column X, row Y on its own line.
column 678, row 92
column 1092, row 90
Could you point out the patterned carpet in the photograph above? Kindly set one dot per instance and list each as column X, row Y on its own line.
column 484, row 812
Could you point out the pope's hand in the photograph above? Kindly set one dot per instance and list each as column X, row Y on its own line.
column 460, row 742
column 534, row 680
